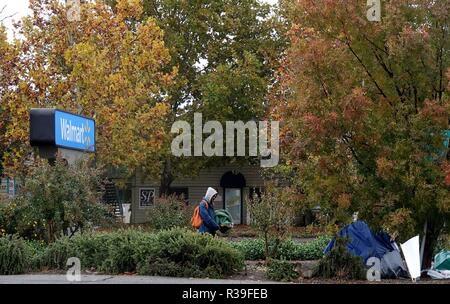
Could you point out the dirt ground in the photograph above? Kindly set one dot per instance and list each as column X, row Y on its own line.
column 255, row 271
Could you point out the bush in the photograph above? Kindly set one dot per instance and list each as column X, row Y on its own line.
column 169, row 212
column 92, row 248
column 271, row 215
column 3, row 219
column 9, row 217
column 312, row 250
column 443, row 243
column 115, row 252
column 14, row 255
column 56, row 254
column 175, row 252
column 127, row 251
column 288, row 250
column 281, row 270
column 36, row 249
column 55, row 199
column 340, row 263
column 160, row 267
column 251, row 249
column 186, row 253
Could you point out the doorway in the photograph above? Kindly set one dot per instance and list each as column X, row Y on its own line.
column 233, row 203
column 233, row 184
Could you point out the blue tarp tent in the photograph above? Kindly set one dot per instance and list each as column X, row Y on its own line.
column 365, row 243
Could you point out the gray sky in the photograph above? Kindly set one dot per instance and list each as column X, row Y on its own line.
column 17, row 7
column 20, row 9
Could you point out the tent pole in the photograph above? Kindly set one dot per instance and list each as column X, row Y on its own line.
column 422, row 247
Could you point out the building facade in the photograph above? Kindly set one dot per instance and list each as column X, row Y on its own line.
column 235, row 184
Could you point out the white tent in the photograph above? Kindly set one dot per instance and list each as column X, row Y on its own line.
column 411, row 252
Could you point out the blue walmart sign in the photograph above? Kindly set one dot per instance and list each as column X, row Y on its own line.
column 74, row 132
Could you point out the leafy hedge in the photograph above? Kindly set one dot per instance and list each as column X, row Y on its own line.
column 288, row 250
column 340, row 263
column 174, row 252
column 169, row 212
column 189, row 254
column 15, row 255
column 281, row 270
column 252, row 249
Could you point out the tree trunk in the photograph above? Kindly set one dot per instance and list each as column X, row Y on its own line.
column 50, row 231
column 433, row 231
column 266, row 243
column 166, row 178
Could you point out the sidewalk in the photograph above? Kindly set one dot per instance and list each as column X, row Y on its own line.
column 111, row 279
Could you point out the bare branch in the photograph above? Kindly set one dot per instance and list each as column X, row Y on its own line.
column 6, row 17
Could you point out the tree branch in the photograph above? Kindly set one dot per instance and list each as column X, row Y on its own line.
column 352, row 150
column 374, row 44
column 6, row 17
column 367, row 71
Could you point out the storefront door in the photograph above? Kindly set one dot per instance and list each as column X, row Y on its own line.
column 233, row 203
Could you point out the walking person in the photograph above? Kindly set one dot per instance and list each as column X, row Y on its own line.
column 207, row 213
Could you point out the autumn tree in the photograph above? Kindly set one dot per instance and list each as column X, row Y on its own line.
column 104, row 65
column 364, row 107
column 225, row 52
column 8, row 58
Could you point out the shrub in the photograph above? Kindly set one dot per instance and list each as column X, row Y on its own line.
column 128, row 251
column 443, row 243
column 161, row 267
column 14, row 255
column 340, row 263
column 312, row 250
column 92, row 248
column 175, row 252
column 281, row 270
column 251, row 249
column 10, row 217
column 271, row 215
column 3, row 219
column 289, row 250
column 36, row 249
column 169, row 212
column 187, row 253
column 115, row 252
column 56, row 254
column 56, row 199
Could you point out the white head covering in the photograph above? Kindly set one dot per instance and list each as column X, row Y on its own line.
column 209, row 194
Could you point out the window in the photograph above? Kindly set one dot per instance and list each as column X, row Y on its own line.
column 146, row 197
